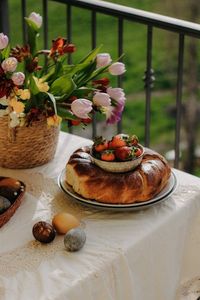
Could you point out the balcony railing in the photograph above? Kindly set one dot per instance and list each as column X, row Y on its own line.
column 122, row 13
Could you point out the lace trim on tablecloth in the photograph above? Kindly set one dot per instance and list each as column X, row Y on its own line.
column 47, row 190
column 56, row 201
column 190, row 290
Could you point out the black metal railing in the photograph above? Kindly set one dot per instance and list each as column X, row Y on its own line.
column 150, row 20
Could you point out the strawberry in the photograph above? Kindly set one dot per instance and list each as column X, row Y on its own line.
column 137, row 152
column 86, row 121
column 108, row 155
column 134, row 140
column 75, row 122
column 118, row 140
column 100, row 144
column 124, row 153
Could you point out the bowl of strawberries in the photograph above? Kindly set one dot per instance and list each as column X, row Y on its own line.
column 122, row 153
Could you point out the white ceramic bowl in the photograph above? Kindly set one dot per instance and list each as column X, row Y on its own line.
column 118, row 167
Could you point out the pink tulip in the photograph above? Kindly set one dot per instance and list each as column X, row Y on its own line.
column 117, row 68
column 36, row 18
column 101, row 99
column 117, row 94
column 114, row 113
column 9, row 64
column 3, row 41
column 81, row 108
column 103, row 59
column 18, row 78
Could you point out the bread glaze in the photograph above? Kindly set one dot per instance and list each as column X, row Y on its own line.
column 141, row 184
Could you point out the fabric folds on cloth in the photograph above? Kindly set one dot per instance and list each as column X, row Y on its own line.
column 134, row 255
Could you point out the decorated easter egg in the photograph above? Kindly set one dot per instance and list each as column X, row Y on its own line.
column 10, row 188
column 74, row 239
column 4, row 204
column 63, row 222
column 43, row 232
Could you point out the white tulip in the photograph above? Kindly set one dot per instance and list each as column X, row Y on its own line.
column 81, row 108
column 3, row 41
column 9, row 64
column 103, row 59
column 102, row 99
column 117, row 68
column 36, row 18
column 18, row 78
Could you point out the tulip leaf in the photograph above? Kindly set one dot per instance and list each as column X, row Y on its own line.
column 96, row 73
column 32, row 35
column 65, row 114
column 82, row 77
column 64, row 85
column 5, row 52
column 49, row 75
column 73, row 69
column 51, row 97
column 91, row 56
column 83, row 92
column 33, row 86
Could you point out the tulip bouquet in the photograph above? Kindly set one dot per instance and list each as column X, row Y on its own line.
column 33, row 86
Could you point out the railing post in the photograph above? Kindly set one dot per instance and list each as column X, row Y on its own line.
column 120, row 52
column 24, row 28
column 94, row 44
column 179, row 98
column 148, row 79
column 4, row 17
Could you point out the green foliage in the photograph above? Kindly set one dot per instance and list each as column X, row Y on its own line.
column 135, row 36
column 33, row 87
column 32, row 35
column 63, row 85
column 5, row 53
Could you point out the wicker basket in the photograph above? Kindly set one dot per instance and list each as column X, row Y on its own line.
column 27, row 147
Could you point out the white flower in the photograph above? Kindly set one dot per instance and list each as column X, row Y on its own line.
column 103, row 59
column 4, row 112
column 81, row 108
column 4, row 101
column 18, row 78
column 117, row 68
column 101, row 99
column 42, row 86
column 14, row 119
column 36, row 18
column 9, row 64
column 3, row 41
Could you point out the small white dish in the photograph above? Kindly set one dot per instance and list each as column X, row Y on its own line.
column 118, row 166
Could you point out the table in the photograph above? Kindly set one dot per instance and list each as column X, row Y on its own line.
column 135, row 255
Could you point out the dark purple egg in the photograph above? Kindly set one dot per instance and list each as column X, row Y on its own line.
column 44, row 232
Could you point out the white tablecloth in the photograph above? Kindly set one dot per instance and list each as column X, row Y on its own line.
column 135, row 255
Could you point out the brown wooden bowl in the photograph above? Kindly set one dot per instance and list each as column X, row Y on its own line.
column 13, row 190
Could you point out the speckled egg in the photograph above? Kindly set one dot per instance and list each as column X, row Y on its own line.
column 43, row 232
column 63, row 222
column 10, row 188
column 4, row 204
column 74, row 239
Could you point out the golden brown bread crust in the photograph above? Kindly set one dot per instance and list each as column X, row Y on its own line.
column 141, row 184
